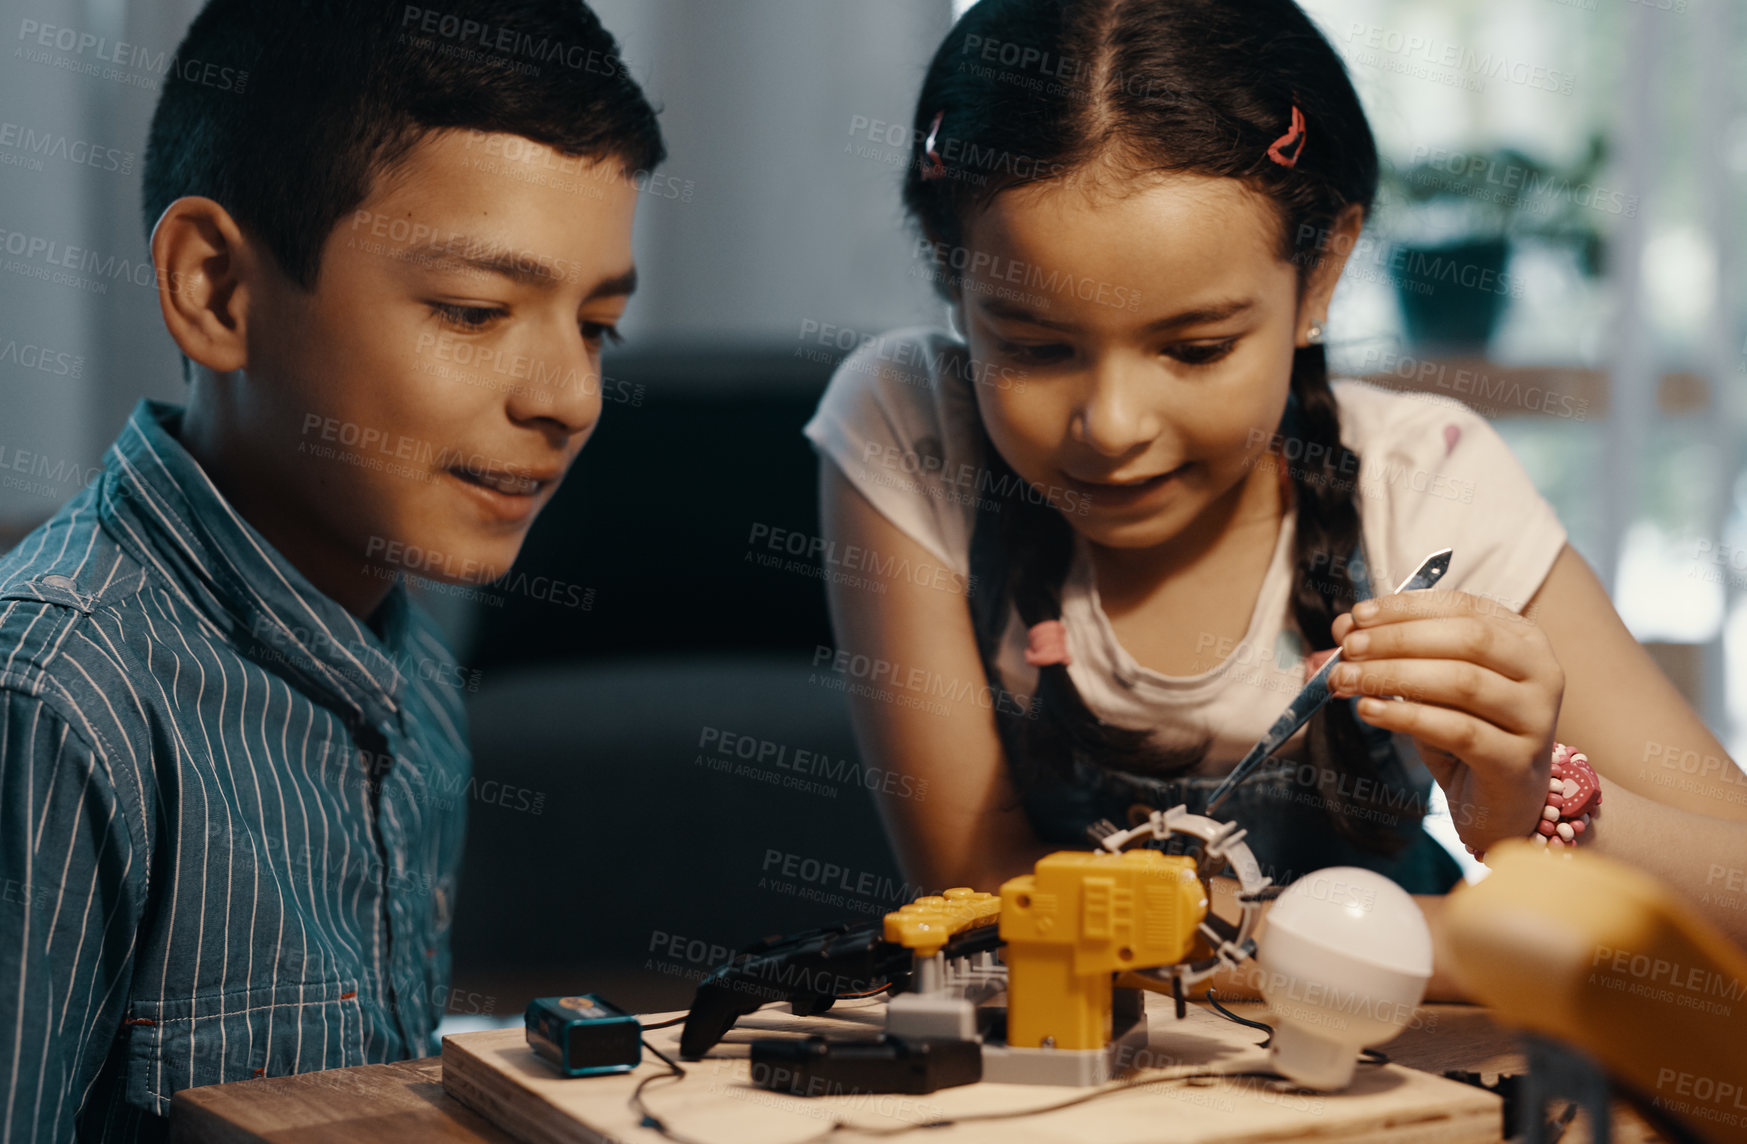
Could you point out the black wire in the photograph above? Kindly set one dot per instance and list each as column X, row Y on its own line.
column 1213, row 1000
column 671, row 1063
column 649, row 1119
column 665, row 1024
column 1366, row 1056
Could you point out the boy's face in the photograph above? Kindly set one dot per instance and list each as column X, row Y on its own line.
column 418, row 407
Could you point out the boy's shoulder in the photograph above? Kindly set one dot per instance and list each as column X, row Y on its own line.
column 69, row 597
column 57, row 587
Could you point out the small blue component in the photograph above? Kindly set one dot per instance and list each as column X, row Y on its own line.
column 584, row 1035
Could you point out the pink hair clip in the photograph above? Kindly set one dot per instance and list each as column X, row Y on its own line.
column 1292, row 141
column 1047, row 644
column 934, row 168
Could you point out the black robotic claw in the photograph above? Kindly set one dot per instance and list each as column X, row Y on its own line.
column 810, row 971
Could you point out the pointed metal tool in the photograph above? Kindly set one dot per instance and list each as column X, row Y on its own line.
column 1315, row 693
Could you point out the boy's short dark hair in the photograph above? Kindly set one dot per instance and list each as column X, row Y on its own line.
column 282, row 111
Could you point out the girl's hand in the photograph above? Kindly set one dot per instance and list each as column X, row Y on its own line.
column 1480, row 692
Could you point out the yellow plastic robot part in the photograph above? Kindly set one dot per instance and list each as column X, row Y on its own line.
column 1080, row 917
column 928, row 923
column 1600, row 955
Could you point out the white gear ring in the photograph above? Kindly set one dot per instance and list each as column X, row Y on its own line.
column 1223, row 841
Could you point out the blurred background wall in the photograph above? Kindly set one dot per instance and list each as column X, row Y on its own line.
column 663, row 738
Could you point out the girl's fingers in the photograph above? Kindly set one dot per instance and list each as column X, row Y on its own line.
column 1437, row 604
column 1458, row 733
column 1452, row 684
column 1469, row 638
column 1422, row 604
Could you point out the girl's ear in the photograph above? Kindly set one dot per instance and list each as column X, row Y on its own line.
column 1326, row 273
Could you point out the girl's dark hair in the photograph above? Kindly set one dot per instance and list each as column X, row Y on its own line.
column 1026, row 90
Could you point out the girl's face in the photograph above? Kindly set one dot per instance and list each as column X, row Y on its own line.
column 1155, row 330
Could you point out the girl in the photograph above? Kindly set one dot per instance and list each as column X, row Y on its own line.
column 1160, row 513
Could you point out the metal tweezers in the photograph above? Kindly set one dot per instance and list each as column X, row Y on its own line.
column 1316, row 692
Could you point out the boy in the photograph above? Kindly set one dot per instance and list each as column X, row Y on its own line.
column 390, row 240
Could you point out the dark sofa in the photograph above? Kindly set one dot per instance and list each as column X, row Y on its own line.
column 660, row 776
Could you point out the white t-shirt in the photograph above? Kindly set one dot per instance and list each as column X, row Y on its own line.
column 900, row 421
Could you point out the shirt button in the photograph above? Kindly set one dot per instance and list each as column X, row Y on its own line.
column 58, row 581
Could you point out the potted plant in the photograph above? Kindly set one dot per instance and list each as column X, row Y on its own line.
column 1453, row 217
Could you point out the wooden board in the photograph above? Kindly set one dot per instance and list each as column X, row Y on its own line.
column 496, row 1074
column 400, row 1103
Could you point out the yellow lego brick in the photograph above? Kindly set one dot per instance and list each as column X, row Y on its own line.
column 1079, row 917
column 1095, row 907
column 1135, row 909
column 928, row 923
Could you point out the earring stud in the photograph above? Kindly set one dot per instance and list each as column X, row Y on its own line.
column 1314, row 334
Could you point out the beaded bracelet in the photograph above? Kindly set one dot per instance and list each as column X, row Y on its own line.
column 1573, row 796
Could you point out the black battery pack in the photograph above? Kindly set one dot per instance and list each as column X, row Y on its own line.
column 815, row 1066
column 584, row 1035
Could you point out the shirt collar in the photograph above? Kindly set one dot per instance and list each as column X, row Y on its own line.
column 166, row 511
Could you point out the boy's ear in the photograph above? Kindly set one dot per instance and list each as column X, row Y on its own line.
column 204, row 263
column 1326, row 273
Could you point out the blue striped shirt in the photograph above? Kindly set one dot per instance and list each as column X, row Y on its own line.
column 230, row 813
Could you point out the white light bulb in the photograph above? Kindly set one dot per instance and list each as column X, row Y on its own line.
column 1343, row 964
